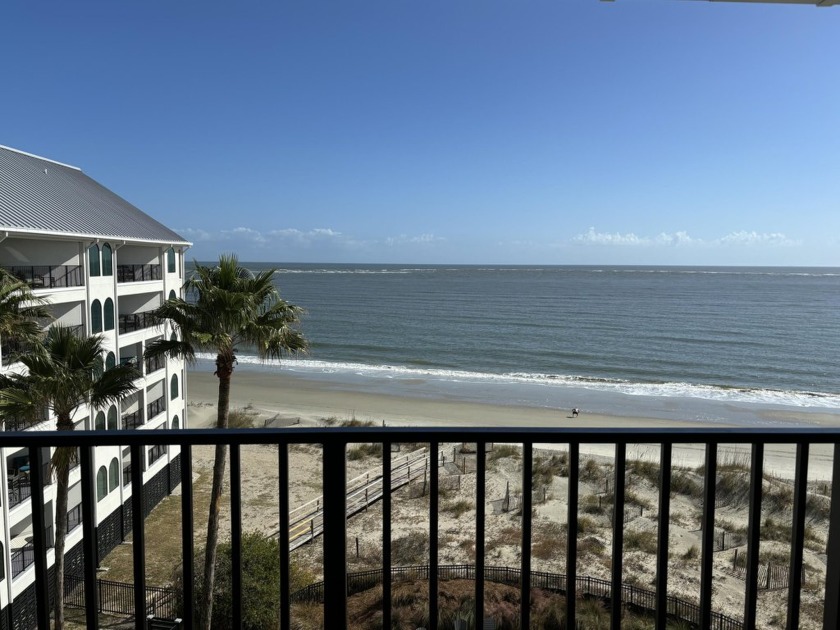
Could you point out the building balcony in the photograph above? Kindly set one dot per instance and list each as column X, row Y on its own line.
column 23, row 551
column 136, row 321
column 133, row 420
column 49, row 277
column 339, row 502
column 154, row 364
column 155, row 408
column 138, row 273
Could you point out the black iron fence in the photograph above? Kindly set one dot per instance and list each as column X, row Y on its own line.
column 333, row 453
column 118, row 597
column 49, row 276
column 136, row 321
column 138, row 273
column 640, row 599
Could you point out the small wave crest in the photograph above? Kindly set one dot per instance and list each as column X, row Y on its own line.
column 793, row 398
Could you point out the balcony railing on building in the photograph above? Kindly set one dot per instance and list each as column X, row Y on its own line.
column 49, row 277
column 156, row 407
column 153, row 364
column 335, row 507
column 133, row 420
column 138, row 273
column 136, row 321
column 24, row 557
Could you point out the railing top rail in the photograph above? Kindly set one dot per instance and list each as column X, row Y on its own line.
column 345, row 435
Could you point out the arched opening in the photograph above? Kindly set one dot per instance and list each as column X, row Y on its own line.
column 109, row 314
column 170, row 260
column 112, row 419
column 172, row 295
column 110, row 360
column 101, row 483
column 176, row 423
column 113, row 475
column 107, row 265
column 100, row 421
column 173, row 387
column 93, row 260
column 96, row 317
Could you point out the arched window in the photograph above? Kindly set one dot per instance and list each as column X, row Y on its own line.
column 174, row 336
column 109, row 314
column 100, row 421
column 110, row 361
column 170, row 260
column 176, row 423
column 112, row 419
column 96, row 316
column 93, row 260
column 107, row 266
column 172, row 295
column 113, row 475
column 173, row 387
column 101, row 483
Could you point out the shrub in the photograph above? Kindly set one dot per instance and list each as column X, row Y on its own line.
column 260, row 582
column 457, row 508
column 500, row 451
column 692, row 553
column 411, row 549
column 363, row 451
column 640, row 541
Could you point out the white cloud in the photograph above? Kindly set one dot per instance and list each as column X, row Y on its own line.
column 421, row 239
column 749, row 239
column 741, row 238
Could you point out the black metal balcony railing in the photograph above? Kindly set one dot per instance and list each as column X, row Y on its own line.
column 126, row 476
column 24, row 557
column 74, row 518
column 155, row 408
column 133, row 420
column 138, row 273
column 156, row 452
column 49, row 276
column 334, row 442
column 136, row 321
column 153, row 364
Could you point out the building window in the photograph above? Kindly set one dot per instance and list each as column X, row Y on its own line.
column 110, row 361
column 101, row 483
column 100, row 421
column 93, row 260
column 170, row 260
column 109, row 314
column 107, row 265
column 96, row 316
column 114, row 477
column 112, row 419
column 172, row 295
column 173, row 387
column 176, row 423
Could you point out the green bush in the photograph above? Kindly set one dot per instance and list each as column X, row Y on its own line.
column 260, row 583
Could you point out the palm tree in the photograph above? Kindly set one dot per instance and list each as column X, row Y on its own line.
column 227, row 307
column 63, row 374
column 21, row 313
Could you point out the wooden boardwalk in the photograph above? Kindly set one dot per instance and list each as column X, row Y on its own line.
column 307, row 521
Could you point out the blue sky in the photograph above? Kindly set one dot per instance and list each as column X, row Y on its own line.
column 536, row 132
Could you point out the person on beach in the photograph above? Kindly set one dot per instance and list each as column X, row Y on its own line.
column 575, row 412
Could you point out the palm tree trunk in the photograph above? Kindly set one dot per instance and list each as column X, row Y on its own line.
column 224, row 370
column 61, row 464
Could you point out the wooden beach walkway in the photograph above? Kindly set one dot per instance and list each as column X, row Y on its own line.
column 307, row 521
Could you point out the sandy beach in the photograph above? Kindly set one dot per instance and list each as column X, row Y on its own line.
column 309, row 400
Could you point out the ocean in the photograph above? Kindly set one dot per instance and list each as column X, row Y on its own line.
column 699, row 343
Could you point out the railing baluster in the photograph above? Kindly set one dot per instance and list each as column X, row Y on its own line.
column 664, row 529
column 39, row 537
column 138, row 519
column 618, row 535
column 753, row 535
column 187, row 553
column 831, row 617
column 386, row 535
column 433, row 535
column 480, row 468
column 800, row 501
column 572, row 535
column 236, row 534
column 527, row 507
column 285, row 572
column 89, row 539
column 335, row 534
column 707, row 551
